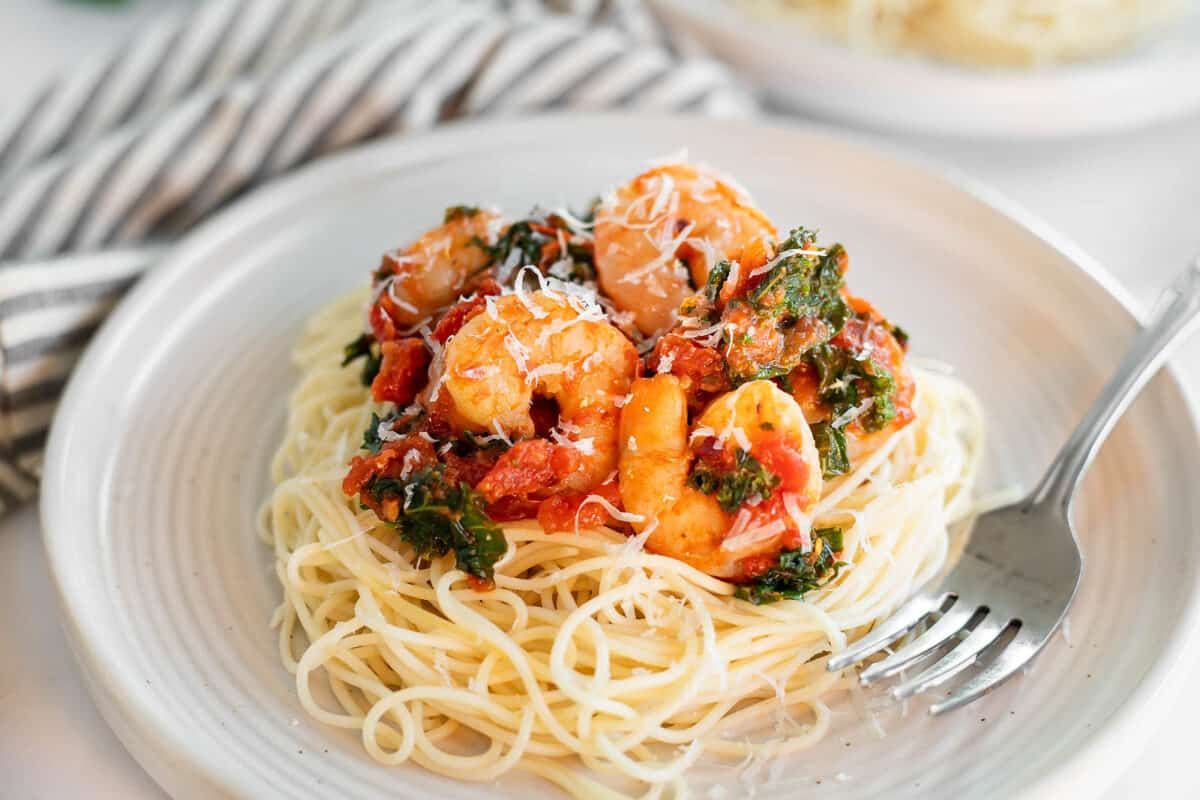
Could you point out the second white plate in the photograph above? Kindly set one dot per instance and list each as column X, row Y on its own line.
column 1157, row 81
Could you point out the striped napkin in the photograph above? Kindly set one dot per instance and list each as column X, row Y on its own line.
column 101, row 170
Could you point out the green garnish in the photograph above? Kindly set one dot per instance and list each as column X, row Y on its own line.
column 847, row 380
column 803, row 286
column 364, row 347
column 521, row 237
column 468, row 443
column 371, row 441
column 716, row 279
column 831, row 446
column 798, row 573
column 749, row 479
column 800, row 298
column 436, row 518
column 832, row 536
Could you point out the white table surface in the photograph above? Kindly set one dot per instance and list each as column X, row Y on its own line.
column 1133, row 202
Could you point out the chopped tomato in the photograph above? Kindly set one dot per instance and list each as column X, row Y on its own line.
column 754, row 255
column 528, row 469
column 383, row 327
column 461, row 313
column 402, row 372
column 559, row 513
column 441, row 417
column 782, row 460
column 508, row 509
column 468, row 469
column 701, row 369
column 751, row 567
column 480, row 584
column 710, row 451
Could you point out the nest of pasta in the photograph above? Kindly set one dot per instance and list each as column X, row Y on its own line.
column 594, row 495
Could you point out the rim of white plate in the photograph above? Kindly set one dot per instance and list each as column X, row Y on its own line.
column 147, row 732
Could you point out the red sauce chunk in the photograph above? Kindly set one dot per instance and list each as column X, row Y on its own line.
column 462, row 313
column 528, row 469
column 558, row 514
column 383, row 327
column 402, row 373
column 701, row 369
column 782, row 460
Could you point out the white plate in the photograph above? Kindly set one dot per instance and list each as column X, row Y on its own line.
column 158, row 459
column 1157, row 81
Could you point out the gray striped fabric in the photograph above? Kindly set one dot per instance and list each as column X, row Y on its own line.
column 100, row 171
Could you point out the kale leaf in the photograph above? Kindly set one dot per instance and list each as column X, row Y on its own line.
column 831, row 447
column 797, row 572
column 519, row 236
column 804, row 286
column 371, row 441
column 436, row 518
column 845, row 380
column 799, row 298
column 364, row 347
column 716, row 280
column 748, row 479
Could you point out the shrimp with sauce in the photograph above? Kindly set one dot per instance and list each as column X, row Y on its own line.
column 730, row 494
column 542, row 344
column 414, row 283
column 787, row 316
column 663, row 231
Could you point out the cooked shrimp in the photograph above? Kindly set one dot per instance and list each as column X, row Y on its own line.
column 664, row 224
column 550, row 345
column 872, row 340
column 752, row 447
column 433, row 271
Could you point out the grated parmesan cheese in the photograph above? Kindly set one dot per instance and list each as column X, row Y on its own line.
column 795, row 251
column 500, row 435
column 803, row 521
column 385, row 432
column 519, row 352
column 411, row 459
column 851, row 414
column 402, row 304
column 480, row 372
column 542, row 370
column 665, row 363
column 742, row 537
column 613, row 511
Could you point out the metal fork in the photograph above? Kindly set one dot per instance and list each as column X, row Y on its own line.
column 1022, row 565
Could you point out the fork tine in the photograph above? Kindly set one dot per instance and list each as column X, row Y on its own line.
column 960, row 657
column 1004, row 666
column 888, row 631
column 951, row 623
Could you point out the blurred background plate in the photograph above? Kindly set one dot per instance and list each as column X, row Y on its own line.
column 158, row 462
column 1157, row 81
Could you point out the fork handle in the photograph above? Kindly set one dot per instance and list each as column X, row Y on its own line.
column 1150, row 349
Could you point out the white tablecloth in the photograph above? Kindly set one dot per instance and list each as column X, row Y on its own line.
column 1131, row 201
